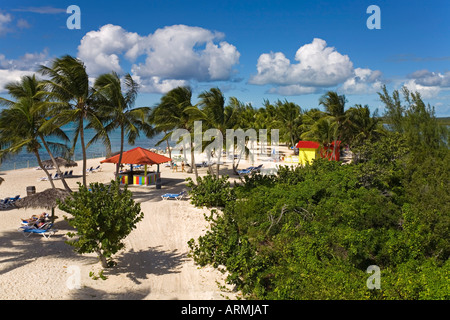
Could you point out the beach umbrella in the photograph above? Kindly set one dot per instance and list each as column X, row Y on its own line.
column 61, row 162
column 138, row 156
column 45, row 199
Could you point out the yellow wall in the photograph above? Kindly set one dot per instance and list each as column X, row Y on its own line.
column 306, row 155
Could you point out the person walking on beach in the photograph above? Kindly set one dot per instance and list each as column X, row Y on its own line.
column 182, row 166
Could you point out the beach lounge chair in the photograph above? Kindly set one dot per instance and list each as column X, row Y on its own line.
column 177, row 196
column 46, row 178
column 246, row 171
column 12, row 200
column 258, row 168
column 45, row 230
column 96, row 169
column 31, row 221
column 5, row 203
column 250, row 170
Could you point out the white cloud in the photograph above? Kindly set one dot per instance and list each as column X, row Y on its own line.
column 427, row 92
column 13, row 69
column 318, row 66
column 99, row 50
column 23, row 24
column 431, row 79
column 5, row 19
column 293, row 90
column 429, row 84
column 172, row 55
column 42, row 10
column 157, row 85
column 364, row 81
column 7, row 76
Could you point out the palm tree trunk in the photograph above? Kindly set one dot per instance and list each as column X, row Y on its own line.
column 122, row 137
column 66, row 186
column 49, row 176
column 193, row 162
column 83, row 149
column 170, row 153
column 218, row 164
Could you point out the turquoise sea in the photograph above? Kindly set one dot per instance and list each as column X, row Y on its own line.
column 25, row 160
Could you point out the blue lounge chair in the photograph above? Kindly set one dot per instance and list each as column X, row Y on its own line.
column 15, row 198
column 45, row 230
column 177, row 196
column 250, row 170
column 5, row 203
column 244, row 171
column 56, row 176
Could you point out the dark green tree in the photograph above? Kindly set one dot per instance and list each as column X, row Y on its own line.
column 102, row 217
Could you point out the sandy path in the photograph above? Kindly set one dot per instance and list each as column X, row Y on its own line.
column 153, row 265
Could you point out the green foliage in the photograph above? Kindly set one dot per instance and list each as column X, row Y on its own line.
column 210, row 191
column 102, row 216
column 311, row 233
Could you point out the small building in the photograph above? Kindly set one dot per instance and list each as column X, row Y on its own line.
column 307, row 151
column 327, row 151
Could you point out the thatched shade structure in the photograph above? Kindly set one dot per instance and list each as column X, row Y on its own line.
column 61, row 162
column 45, row 199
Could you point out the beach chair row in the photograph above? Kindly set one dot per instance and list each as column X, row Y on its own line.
column 250, row 170
column 94, row 170
column 8, row 202
column 67, row 174
column 48, row 167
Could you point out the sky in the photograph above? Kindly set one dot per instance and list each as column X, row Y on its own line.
column 251, row 50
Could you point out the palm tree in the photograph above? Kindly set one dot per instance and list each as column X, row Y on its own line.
column 362, row 126
column 217, row 115
column 116, row 109
column 24, row 124
column 69, row 84
column 335, row 108
column 175, row 111
column 289, row 120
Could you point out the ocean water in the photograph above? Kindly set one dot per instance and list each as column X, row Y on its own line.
column 28, row 160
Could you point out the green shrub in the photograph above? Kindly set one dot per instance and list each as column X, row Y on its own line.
column 102, row 217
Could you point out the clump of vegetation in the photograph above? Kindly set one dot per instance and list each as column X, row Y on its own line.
column 210, row 191
column 312, row 232
column 102, row 217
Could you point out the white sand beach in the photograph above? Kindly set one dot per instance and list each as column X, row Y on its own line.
column 153, row 265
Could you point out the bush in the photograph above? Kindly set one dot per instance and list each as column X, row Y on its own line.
column 312, row 232
column 210, row 191
column 102, row 216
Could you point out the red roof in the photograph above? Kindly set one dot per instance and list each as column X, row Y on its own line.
column 138, row 156
column 307, row 145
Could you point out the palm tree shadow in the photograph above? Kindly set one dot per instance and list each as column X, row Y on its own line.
column 137, row 265
column 88, row 293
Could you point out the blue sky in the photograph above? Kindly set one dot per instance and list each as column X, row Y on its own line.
column 253, row 50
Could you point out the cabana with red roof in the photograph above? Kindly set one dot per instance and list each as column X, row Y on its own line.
column 139, row 156
column 309, row 150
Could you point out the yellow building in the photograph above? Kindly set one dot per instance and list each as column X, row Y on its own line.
column 307, row 151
